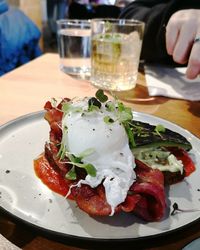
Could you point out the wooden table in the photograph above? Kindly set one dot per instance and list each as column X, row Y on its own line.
column 27, row 88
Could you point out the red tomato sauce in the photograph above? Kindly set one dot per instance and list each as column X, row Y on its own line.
column 52, row 179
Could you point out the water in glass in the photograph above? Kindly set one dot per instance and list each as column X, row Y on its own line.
column 74, row 50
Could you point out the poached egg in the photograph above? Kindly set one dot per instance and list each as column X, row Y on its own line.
column 111, row 155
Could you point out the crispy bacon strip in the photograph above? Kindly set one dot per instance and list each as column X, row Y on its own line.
column 92, row 200
column 150, row 186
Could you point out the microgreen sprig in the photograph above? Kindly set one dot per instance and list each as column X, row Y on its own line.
column 90, row 169
column 124, row 113
column 130, row 134
column 159, row 129
column 62, row 149
column 77, row 161
column 67, row 107
column 71, row 174
column 176, row 209
column 108, row 120
column 110, row 106
column 53, row 102
column 101, row 96
column 125, row 116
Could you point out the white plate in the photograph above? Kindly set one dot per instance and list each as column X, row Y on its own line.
column 23, row 195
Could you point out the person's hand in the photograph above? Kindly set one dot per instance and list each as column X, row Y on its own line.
column 181, row 31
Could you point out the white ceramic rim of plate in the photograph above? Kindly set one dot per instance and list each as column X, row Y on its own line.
column 39, row 115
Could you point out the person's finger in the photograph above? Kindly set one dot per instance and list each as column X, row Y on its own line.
column 193, row 68
column 184, row 43
column 172, row 32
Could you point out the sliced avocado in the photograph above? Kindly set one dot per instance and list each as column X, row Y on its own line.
column 145, row 135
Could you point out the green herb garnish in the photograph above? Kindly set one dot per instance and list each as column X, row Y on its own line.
column 101, row 96
column 53, row 102
column 61, row 152
column 125, row 116
column 93, row 102
column 124, row 113
column 62, row 149
column 159, row 129
column 90, row 169
column 86, row 152
column 67, row 107
column 108, row 120
column 71, row 174
column 77, row 161
column 110, row 106
column 176, row 209
column 130, row 134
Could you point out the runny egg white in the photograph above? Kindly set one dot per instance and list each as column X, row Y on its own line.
column 111, row 155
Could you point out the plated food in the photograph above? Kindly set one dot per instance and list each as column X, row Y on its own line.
column 107, row 162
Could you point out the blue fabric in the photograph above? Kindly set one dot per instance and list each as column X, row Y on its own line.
column 3, row 6
column 19, row 38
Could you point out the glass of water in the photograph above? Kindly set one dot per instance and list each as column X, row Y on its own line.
column 74, row 42
column 115, row 53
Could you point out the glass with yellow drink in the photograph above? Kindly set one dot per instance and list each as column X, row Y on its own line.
column 115, row 53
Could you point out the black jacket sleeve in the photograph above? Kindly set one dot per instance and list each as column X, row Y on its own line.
column 156, row 14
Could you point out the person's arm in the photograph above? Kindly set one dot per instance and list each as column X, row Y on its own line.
column 155, row 14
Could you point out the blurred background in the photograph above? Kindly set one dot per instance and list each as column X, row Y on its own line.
column 44, row 14
column 28, row 27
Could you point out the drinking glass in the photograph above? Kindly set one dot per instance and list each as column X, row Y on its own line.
column 115, row 53
column 74, row 47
